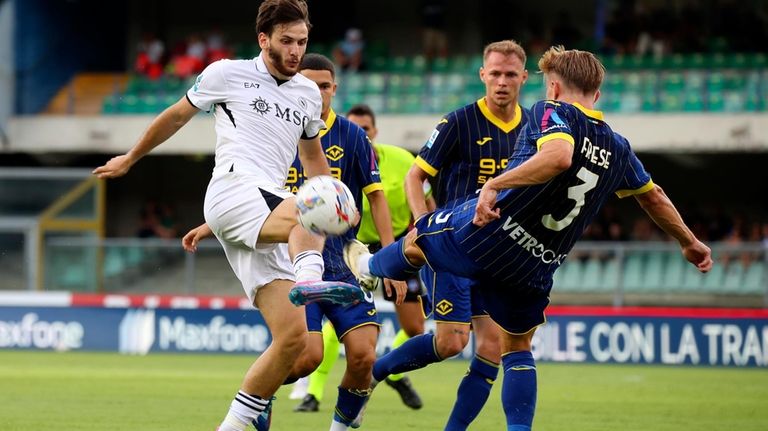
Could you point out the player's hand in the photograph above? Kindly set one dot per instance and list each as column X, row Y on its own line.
column 401, row 288
column 115, row 167
column 700, row 255
column 193, row 237
column 485, row 211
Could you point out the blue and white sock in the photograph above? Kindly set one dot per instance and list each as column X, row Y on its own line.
column 308, row 266
column 244, row 409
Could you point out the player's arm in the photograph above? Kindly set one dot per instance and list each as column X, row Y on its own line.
column 382, row 219
column 313, row 158
column 193, row 237
column 160, row 130
column 414, row 191
column 663, row 212
column 553, row 158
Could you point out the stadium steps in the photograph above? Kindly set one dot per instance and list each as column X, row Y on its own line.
column 84, row 94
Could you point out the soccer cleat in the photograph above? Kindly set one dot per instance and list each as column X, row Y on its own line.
column 407, row 393
column 353, row 249
column 308, row 404
column 264, row 420
column 336, row 292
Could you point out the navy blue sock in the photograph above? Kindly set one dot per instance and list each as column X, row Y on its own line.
column 518, row 392
column 417, row 352
column 348, row 405
column 472, row 394
column 390, row 262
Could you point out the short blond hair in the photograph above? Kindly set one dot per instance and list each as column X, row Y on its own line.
column 580, row 70
column 506, row 47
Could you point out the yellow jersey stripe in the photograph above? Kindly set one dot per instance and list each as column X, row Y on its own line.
column 506, row 126
column 644, row 189
column 559, row 135
column 372, row 187
column 328, row 122
column 423, row 164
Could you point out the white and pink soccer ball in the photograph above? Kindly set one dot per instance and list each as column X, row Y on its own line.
column 326, row 206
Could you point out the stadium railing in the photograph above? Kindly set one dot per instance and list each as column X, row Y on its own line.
column 617, row 273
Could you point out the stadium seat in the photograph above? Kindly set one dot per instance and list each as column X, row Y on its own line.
column 375, row 83
column 673, row 82
column 654, row 271
column 734, row 277
column 568, row 277
column 754, row 279
column 713, row 281
column 592, row 272
column 674, row 271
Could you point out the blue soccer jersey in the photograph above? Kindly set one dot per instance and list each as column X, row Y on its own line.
column 540, row 224
column 467, row 148
column 351, row 159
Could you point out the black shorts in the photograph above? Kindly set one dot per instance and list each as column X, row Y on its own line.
column 415, row 287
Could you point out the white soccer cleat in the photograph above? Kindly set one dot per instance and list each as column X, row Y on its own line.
column 353, row 250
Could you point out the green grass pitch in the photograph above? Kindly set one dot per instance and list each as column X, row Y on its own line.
column 105, row 391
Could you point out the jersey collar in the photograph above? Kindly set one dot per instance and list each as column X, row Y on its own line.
column 597, row 115
column 328, row 122
column 498, row 122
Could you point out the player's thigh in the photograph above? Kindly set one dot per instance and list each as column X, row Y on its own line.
column 278, row 225
column 410, row 315
column 487, row 338
column 360, row 343
column 286, row 322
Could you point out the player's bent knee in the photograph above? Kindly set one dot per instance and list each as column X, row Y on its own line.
column 361, row 361
column 451, row 345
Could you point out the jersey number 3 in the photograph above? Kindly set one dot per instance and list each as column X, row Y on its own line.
column 576, row 193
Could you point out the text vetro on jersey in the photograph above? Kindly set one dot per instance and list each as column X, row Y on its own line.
column 530, row 244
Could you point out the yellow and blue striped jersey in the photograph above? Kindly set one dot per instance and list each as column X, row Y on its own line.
column 539, row 224
column 350, row 156
column 468, row 147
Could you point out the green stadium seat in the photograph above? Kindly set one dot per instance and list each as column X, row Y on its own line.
column 653, row 272
column 650, row 102
column 671, row 102
column 693, row 102
column 377, row 102
column 113, row 262
column 713, row 282
column 568, row 277
column 695, row 61
column 715, row 81
column 614, row 82
column 693, row 280
column 460, row 64
column 440, row 65
column 609, row 276
column 444, row 102
column 378, row 64
column 351, row 82
column 375, row 83
column 755, row 278
column 633, row 272
column 474, row 64
column 732, row 101
column 674, row 271
column 129, row 104
column 590, row 277
column 753, row 102
column 734, row 277
column 695, row 80
column 672, row 82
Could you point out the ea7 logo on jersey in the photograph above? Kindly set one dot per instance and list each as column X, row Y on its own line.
column 334, row 152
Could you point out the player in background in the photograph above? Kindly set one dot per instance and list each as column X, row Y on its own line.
column 524, row 222
column 394, row 163
column 352, row 160
column 263, row 110
column 468, row 147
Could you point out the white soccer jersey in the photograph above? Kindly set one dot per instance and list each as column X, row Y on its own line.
column 258, row 121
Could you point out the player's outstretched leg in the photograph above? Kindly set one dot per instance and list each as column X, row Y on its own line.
column 389, row 262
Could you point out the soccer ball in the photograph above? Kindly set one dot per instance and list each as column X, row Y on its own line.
column 326, row 206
